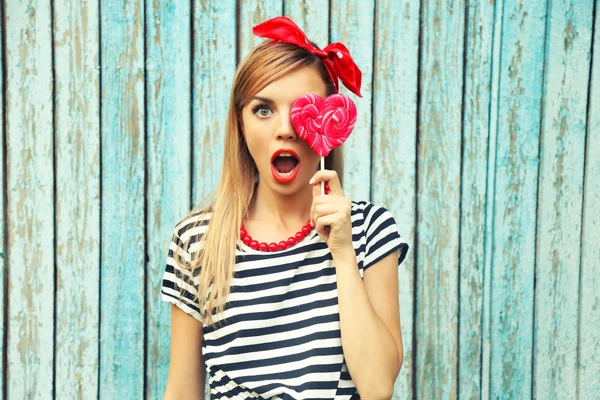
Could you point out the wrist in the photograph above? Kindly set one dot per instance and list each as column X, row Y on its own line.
column 344, row 255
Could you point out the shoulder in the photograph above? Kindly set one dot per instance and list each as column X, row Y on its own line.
column 189, row 231
column 365, row 213
column 376, row 232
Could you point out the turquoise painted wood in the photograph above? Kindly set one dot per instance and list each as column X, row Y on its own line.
column 438, row 198
column 168, row 135
column 479, row 33
column 352, row 24
column 215, row 41
column 252, row 12
column 3, row 252
column 486, row 325
column 558, row 253
column 479, row 128
column 394, row 148
column 515, row 194
column 30, row 206
column 123, row 249
column 77, row 213
column 588, row 384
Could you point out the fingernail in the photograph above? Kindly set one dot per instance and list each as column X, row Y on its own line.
column 311, row 180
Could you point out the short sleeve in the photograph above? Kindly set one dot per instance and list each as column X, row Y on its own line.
column 179, row 285
column 383, row 237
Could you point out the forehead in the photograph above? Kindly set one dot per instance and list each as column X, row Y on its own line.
column 295, row 84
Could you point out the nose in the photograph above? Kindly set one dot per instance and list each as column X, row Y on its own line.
column 285, row 130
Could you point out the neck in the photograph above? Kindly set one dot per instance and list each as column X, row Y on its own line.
column 287, row 211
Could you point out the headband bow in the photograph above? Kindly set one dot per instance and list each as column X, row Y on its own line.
column 336, row 57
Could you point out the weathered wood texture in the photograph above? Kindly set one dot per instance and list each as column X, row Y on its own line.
column 394, row 147
column 479, row 128
column 486, row 317
column 214, row 61
column 438, row 197
column 252, row 12
column 352, row 24
column 588, row 384
column 77, row 149
column 476, row 120
column 168, row 135
column 30, row 206
column 560, row 199
column 123, row 255
column 515, row 195
column 3, row 252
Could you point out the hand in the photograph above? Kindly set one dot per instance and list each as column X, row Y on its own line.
column 330, row 214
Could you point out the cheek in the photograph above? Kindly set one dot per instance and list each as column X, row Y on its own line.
column 253, row 148
column 255, row 142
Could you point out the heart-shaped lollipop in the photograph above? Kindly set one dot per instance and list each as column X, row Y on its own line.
column 323, row 124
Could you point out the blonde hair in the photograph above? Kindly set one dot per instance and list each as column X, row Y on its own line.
column 215, row 263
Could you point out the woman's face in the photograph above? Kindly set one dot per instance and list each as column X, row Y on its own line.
column 285, row 162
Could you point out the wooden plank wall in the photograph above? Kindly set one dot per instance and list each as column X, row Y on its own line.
column 479, row 129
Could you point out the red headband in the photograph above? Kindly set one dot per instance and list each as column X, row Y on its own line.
column 336, row 56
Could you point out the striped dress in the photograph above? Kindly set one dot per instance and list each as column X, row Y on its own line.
column 279, row 337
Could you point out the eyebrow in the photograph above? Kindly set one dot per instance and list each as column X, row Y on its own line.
column 263, row 99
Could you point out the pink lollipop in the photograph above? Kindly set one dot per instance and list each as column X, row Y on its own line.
column 323, row 124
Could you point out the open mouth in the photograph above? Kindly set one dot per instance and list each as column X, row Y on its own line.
column 285, row 165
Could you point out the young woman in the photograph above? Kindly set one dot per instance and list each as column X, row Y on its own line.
column 302, row 287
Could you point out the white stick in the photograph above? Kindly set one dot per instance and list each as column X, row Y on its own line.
column 322, row 168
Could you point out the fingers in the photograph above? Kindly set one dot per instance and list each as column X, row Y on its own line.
column 319, row 208
column 324, row 209
column 316, row 188
column 324, row 222
column 324, row 206
column 330, row 177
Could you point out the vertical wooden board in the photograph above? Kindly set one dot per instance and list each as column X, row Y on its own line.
column 30, row 199
column 123, row 258
column 476, row 120
column 441, row 82
column 352, row 23
column 513, row 259
column 312, row 16
column 213, row 71
column 251, row 13
column 3, row 258
column 394, row 144
column 168, row 104
column 589, row 313
column 569, row 38
column 77, row 138
column 3, row 264
column 486, row 317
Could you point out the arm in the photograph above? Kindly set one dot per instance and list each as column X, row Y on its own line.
column 369, row 315
column 370, row 323
column 186, row 369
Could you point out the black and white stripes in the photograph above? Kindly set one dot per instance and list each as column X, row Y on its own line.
column 279, row 336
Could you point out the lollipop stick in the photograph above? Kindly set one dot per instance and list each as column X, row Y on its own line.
column 322, row 168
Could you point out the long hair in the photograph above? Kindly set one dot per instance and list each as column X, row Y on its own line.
column 214, row 263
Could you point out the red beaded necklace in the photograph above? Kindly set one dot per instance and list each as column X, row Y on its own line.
column 284, row 244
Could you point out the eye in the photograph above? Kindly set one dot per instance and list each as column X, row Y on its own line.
column 261, row 110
